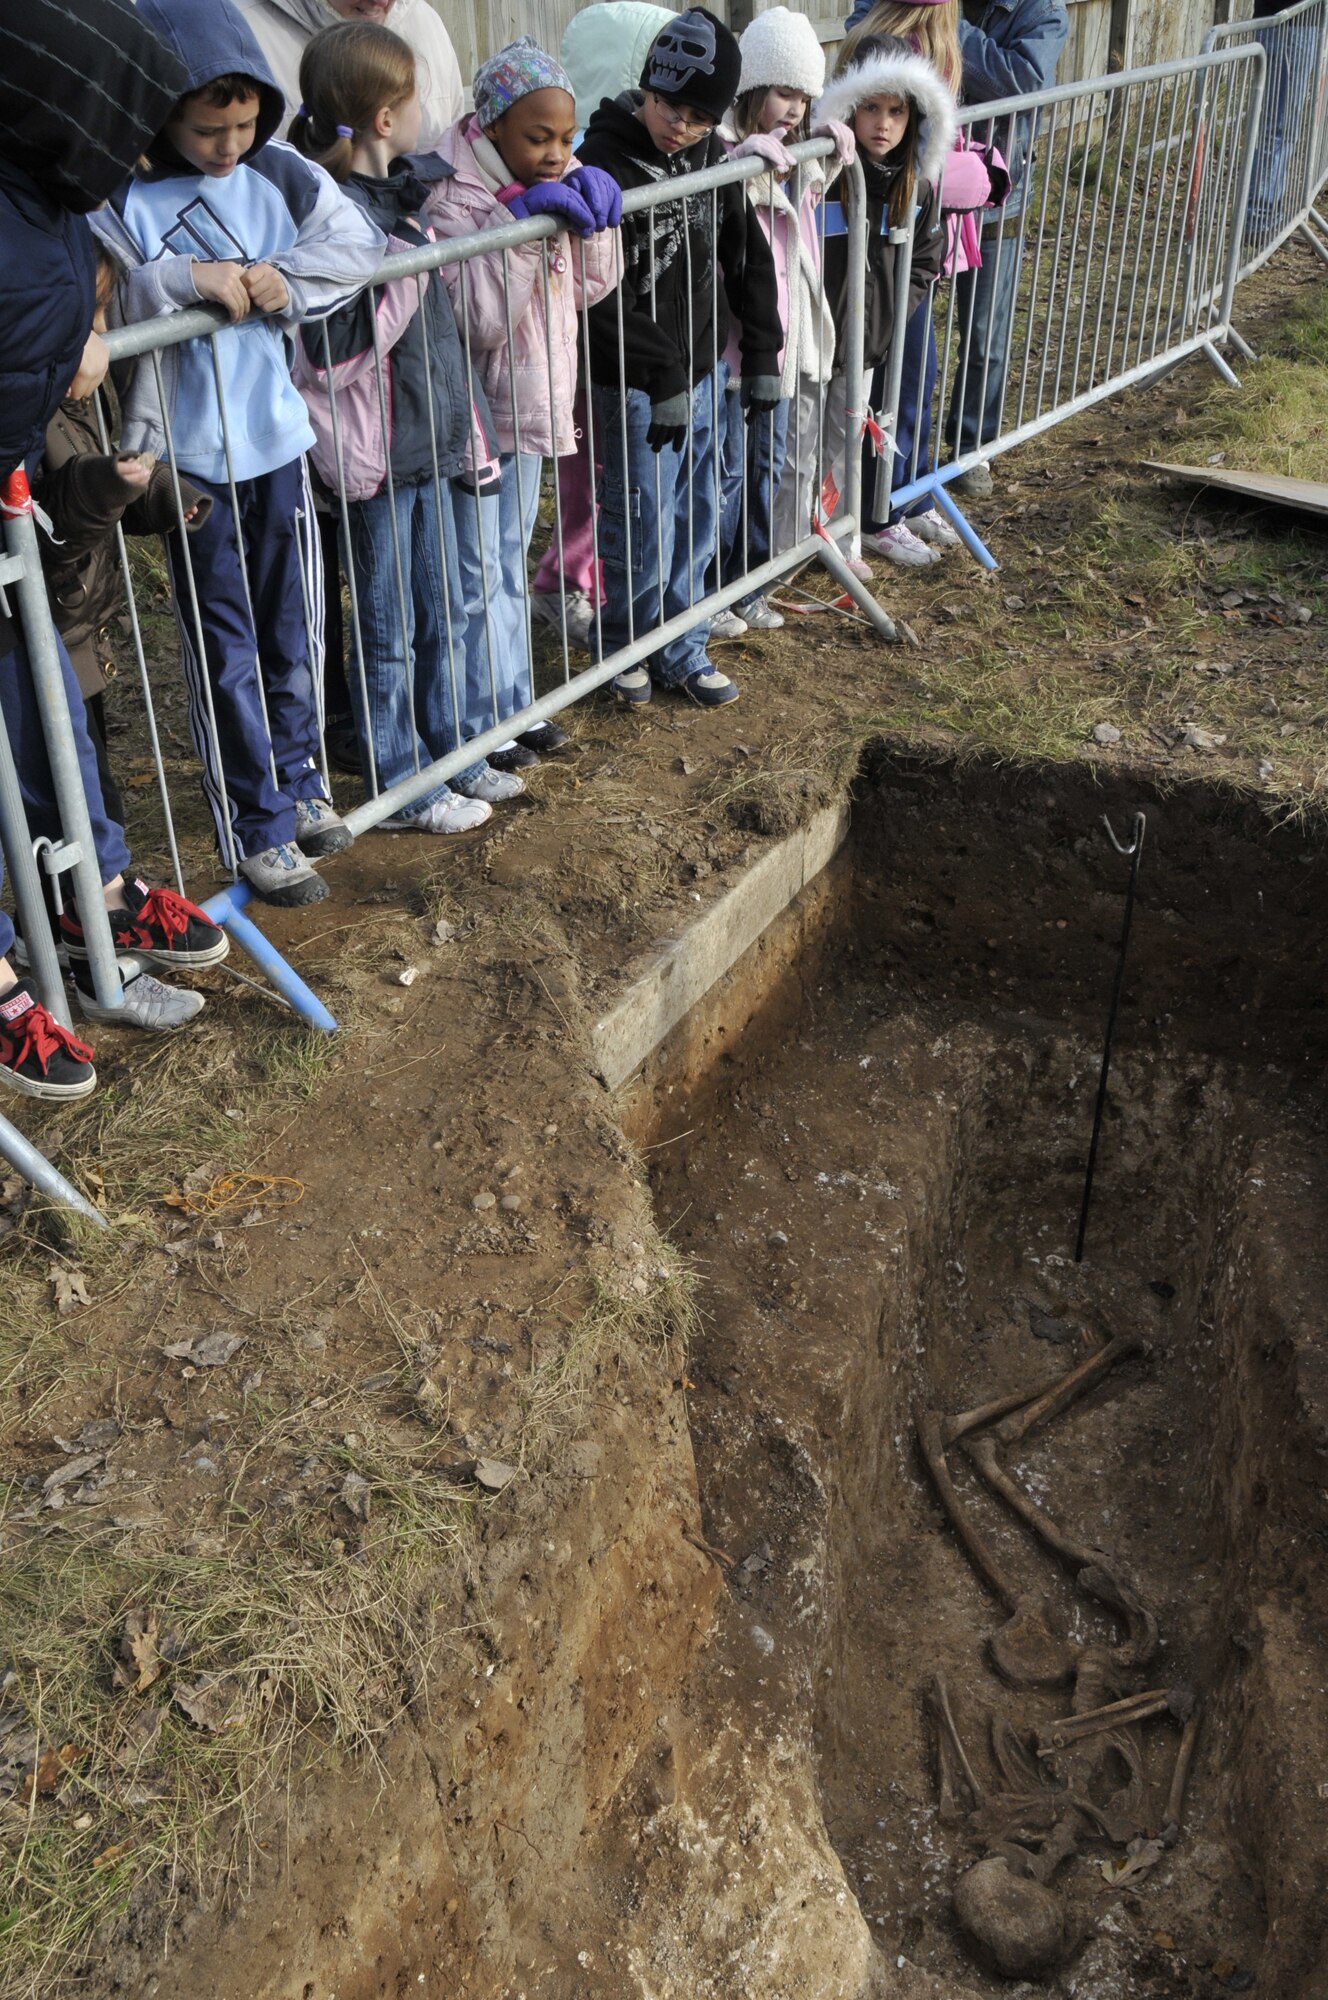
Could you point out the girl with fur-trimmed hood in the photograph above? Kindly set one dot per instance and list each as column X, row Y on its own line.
column 903, row 117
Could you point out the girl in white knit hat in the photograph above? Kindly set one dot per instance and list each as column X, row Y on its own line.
column 770, row 464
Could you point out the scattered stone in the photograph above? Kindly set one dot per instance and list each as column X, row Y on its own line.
column 1196, row 738
column 1266, row 767
column 511, row 1202
column 762, row 1640
column 408, row 975
column 442, row 932
column 1106, row 732
column 356, row 1495
column 493, row 1474
column 908, row 635
column 484, row 1200
column 777, row 1240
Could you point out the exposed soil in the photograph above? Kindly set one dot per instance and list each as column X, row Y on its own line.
column 883, row 1206
column 529, row 1786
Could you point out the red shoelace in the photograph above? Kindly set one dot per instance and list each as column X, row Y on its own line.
column 38, row 1033
column 171, row 911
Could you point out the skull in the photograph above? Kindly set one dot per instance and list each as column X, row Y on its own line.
column 681, row 51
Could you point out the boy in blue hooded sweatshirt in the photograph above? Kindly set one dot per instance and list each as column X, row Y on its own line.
column 220, row 213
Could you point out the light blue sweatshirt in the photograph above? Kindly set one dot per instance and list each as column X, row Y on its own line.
column 274, row 207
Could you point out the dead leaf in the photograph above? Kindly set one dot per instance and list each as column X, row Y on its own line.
column 493, row 1474
column 210, row 1702
column 138, row 1732
column 140, row 1661
column 72, row 1469
column 110, row 1855
column 207, row 1350
column 69, row 1289
column 356, row 1495
column 53, row 1767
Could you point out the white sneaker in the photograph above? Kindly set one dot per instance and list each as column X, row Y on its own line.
column 762, row 617
column 933, row 527
column 449, row 814
column 491, row 786
column 552, row 607
column 282, row 876
column 727, row 625
column 900, row 545
column 148, row 1003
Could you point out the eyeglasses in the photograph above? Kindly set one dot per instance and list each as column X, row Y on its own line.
column 686, row 121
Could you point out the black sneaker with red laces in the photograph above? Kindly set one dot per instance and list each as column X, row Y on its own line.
column 157, row 925
column 37, row 1055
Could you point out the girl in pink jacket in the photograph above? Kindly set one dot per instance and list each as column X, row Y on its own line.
column 517, row 309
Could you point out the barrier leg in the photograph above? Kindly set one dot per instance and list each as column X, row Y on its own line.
column 830, row 555
column 1215, row 361
column 227, row 909
column 35, row 1167
column 964, row 528
column 1311, row 237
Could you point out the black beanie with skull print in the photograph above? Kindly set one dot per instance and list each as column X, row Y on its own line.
column 694, row 60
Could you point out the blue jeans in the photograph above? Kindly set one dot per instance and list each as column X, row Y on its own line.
column 22, row 720
column 657, row 542
column 410, row 719
column 493, row 534
column 1292, row 51
column 975, row 417
column 916, row 390
column 752, row 450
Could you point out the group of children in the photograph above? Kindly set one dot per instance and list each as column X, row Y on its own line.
column 706, row 402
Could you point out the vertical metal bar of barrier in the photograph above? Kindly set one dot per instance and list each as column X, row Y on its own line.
column 48, row 683
column 855, row 405
column 25, row 880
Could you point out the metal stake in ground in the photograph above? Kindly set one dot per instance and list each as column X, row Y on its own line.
column 1134, row 850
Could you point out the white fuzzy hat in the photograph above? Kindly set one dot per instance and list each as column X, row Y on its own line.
column 780, row 49
column 887, row 66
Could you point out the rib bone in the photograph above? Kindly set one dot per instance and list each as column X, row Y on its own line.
column 1059, row 1395
column 1055, row 1736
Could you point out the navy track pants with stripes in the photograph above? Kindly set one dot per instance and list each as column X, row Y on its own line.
column 261, row 671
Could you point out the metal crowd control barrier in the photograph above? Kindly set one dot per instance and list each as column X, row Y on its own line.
column 838, row 402
column 1291, row 156
column 1115, row 259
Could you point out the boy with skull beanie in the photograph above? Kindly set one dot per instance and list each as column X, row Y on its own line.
column 658, row 350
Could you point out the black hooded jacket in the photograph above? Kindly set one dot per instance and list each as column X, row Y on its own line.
column 84, row 85
column 675, row 321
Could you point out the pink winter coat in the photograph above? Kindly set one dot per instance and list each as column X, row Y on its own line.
column 795, row 244
column 975, row 177
column 540, row 374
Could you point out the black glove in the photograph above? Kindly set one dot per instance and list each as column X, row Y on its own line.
column 760, row 394
column 668, row 423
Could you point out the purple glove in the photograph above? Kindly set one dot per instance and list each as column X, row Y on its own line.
column 600, row 192
column 556, row 198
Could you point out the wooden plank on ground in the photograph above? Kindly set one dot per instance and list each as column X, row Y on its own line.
column 1310, row 495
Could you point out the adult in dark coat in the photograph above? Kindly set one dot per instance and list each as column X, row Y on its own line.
column 84, row 86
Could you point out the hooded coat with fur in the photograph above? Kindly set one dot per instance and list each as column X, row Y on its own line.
column 896, row 72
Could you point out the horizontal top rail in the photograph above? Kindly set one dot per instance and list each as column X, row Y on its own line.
column 147, row 336
column 1107, row 86
column 1223, row 31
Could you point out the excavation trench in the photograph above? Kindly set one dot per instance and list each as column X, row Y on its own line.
column 871, row 1137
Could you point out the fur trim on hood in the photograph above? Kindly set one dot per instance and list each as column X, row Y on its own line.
column 903, row 75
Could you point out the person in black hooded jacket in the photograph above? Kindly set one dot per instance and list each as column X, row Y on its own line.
column 84, row 85
column 656, row 346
